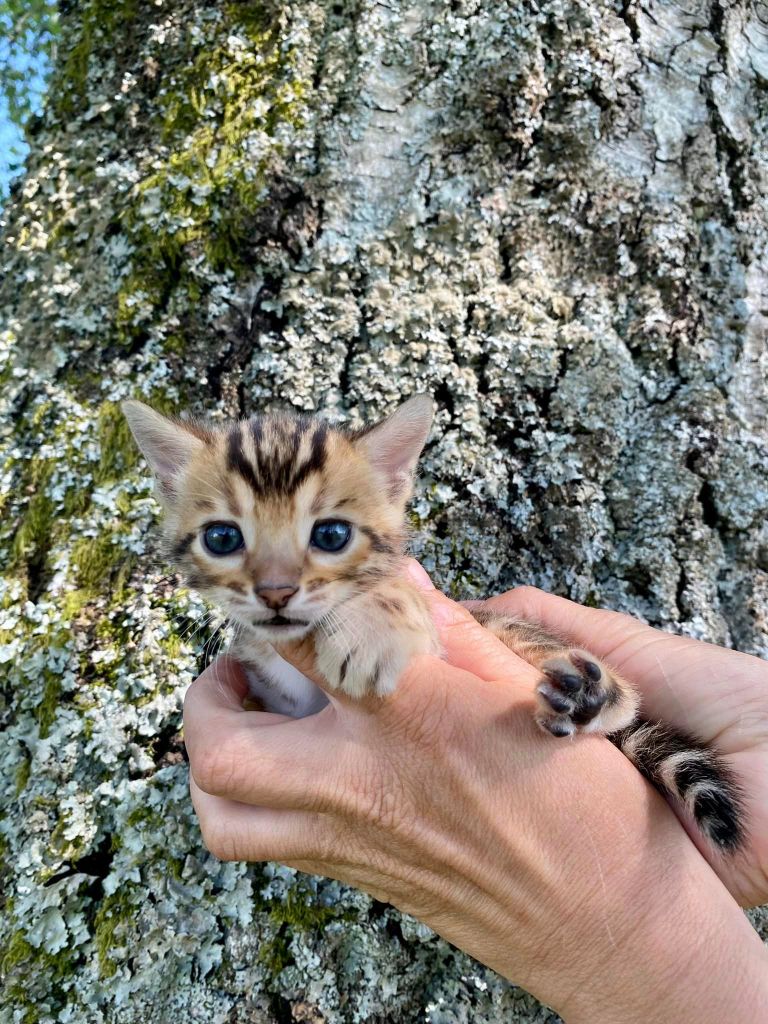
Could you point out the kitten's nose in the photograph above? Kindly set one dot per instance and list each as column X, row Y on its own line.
column 275, row 597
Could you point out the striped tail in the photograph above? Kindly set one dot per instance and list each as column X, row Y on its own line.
column 692, row 774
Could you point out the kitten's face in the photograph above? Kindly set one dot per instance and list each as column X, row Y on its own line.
column 279, row 519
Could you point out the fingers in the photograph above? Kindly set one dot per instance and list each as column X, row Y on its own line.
column 607, row 634
column 467, row 645
column 236, row 831
column 258, row 758
column 301, row 654
column 690, row 684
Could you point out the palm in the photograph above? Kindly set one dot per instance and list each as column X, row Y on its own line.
column 718, row 695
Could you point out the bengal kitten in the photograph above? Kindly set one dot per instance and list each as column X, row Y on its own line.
column 294, row 526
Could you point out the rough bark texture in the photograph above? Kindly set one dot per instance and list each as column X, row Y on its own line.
column 550, row 215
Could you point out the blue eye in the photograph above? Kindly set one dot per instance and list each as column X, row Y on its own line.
column 222, row 538
column 330, row 534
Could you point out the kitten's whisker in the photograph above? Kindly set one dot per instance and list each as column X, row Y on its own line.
column 342, row 630
column 197, row 623
column 196, row 627
column 351, row 625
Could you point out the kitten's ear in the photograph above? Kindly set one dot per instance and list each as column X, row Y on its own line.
column 167, row 445
column 394, row 445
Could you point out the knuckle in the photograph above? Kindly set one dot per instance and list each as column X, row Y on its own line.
column 214, row 769
column 521, row 596
column 219, row 842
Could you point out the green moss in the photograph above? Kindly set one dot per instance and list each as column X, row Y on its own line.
column 211, row 183
column 299, row 912
column 172, row 645
column 72, row 603
column 175, row 343
column 18, row 955
column 101, row 563
column 49, row 703
column 21, row 962
column 175, row 867
column 62, row 847
column 115, row 918
column 33, row 534
column 275, row 954
column 22, row 773
column 76, row 501
column 117, row 450
column 145, row 816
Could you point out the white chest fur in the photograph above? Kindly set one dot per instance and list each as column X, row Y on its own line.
column 277, row 684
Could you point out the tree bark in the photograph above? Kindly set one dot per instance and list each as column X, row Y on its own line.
column 549, row 215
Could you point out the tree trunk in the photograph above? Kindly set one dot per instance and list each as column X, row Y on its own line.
column 551, row 216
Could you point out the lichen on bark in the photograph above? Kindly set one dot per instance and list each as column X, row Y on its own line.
column 550, row 215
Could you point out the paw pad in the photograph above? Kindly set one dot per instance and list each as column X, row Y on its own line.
column 574, row 690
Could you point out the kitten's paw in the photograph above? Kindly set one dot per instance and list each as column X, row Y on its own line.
column 581, row 694
column 362, row 671
column 367, row 648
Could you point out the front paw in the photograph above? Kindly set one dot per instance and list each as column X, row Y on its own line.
column 361, row 671
column 581, row 694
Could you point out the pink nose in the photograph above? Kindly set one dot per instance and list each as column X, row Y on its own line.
column 276, row 597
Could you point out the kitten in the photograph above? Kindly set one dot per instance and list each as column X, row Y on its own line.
column 294, row 526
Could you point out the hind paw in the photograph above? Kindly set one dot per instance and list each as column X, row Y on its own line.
column 581, row 694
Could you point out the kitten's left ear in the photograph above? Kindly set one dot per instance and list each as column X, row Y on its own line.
column 394, row 445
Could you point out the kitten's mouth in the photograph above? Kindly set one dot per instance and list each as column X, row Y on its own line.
column 279, row 620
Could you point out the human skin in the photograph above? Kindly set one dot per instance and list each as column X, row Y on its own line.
column 552, row 862
column 718, row 695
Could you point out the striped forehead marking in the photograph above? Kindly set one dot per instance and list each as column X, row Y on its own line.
column 285, row 453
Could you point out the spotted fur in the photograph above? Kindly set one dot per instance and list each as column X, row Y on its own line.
column 274, row 476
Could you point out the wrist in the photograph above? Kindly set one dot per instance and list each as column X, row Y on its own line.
column 685, row 952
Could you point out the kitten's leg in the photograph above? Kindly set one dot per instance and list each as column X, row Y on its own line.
column 579, row 693
column 366, row 643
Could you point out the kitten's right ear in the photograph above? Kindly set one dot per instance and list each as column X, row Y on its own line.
column 394, row 444
column 167, row 445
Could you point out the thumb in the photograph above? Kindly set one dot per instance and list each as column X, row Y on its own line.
column 466, row 643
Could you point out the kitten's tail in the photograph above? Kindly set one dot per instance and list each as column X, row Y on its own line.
column 689, row 772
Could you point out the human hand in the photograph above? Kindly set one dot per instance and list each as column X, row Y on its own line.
column 541, row 859
column 718, row 695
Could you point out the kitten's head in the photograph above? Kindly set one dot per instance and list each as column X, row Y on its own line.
column 280, row 519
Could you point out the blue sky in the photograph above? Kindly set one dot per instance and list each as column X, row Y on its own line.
column 12, row 147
